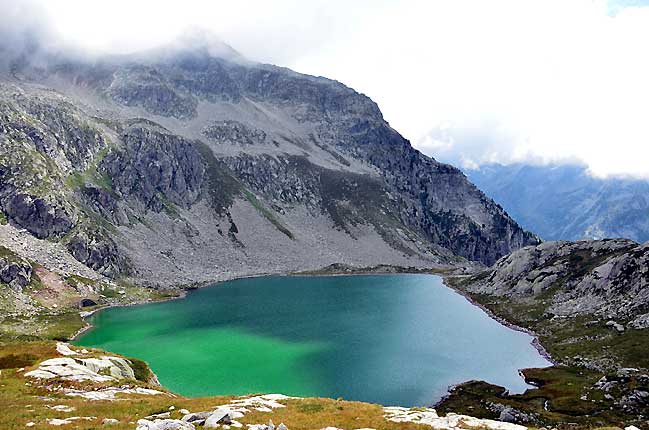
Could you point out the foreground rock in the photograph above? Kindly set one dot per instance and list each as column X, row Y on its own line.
column 164, row 425
column 103, row 369
column 228, row 414
column 429, row 417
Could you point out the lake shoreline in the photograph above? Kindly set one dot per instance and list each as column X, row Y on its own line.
column 536, row 342
column 442, row 278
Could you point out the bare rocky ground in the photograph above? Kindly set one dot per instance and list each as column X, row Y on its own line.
column 49, row 254
column 191, row 250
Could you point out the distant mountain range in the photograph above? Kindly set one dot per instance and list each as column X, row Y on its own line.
column 563, row 202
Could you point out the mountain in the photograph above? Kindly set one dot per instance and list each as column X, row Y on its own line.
column 564, row 202
column 190, row 163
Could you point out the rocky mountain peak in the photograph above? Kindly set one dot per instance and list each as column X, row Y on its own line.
column 151, row 158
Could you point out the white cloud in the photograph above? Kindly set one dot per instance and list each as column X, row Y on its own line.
column 469, row 81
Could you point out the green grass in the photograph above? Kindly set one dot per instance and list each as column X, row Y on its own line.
column 556, row 402
column 78, row 179
column 266, row 213
column 224, row 187
column 141, row 370
column 3, row 219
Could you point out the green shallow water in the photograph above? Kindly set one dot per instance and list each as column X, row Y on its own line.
column 389, row 339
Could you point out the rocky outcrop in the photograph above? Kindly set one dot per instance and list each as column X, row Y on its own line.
column 98, row 252
column 138, row 85
column 14, row 271
column 49, row 151
column 234, row 133
column 428, row 416
column 102, row 369
column 39, row 216
column 608, row 278
column 155, row 167
column 163, row 424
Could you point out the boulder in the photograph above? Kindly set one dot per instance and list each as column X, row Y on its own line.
column 197, row 418
column 164, row 425
column 217, row 418
column 507, row 415
column 617, row 326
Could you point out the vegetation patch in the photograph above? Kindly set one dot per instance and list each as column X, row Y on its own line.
column 223, row 185
column 14, row 361
column 141, row 370
column 266, row 213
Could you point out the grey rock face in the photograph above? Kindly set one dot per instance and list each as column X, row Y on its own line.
column 48, row 147
column 608, row 278
column 14, row 271
column 146, row 87
column 434, row 199
column 41, row 217
column 156, row 166
column 98, row 253
column 234, row 132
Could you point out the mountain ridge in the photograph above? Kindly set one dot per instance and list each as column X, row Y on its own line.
column 564, row 202
column 136, row 152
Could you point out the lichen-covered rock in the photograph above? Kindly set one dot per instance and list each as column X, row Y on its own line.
column 103, row 369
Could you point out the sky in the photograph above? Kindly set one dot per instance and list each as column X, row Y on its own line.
column 467, row 82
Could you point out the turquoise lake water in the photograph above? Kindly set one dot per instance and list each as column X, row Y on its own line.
column 388, row 339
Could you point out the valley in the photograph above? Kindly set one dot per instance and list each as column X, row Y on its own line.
column 132, row 179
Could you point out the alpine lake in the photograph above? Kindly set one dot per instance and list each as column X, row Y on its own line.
column 387, row 339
